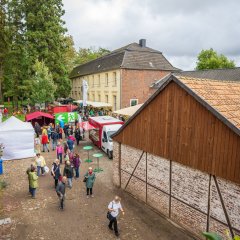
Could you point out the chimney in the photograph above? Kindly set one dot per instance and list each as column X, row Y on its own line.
column 142, row 42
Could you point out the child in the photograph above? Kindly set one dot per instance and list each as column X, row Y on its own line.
column 33, row 181
column 59, row 150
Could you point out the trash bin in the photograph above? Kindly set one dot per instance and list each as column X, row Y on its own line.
column 1, row 166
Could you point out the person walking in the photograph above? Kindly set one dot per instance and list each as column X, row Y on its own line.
column 76, row 164
column 45, row 142
column 89, row 178
column 28, row 171
column 56, row 171
column 33, row 181
column 54, row 137
column 37, row 129
column 70, row 143
column 60, row 189
column 77, row 135
column 59, row 150
column 68, row 172
column 113, row 212
column 40, row 163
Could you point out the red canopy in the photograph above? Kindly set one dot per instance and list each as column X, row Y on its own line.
column 35, row 115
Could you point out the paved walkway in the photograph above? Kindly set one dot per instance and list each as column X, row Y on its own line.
column 82, row 218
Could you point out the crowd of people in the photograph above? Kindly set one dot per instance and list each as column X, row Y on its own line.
column 66, row 166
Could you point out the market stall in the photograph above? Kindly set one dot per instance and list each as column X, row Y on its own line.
column 127, row 112
column 41, row 118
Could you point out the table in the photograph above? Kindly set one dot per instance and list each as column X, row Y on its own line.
column 98, row 155
column 88, row 149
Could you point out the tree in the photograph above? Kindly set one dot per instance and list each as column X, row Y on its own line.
column 210, row 59
column 70, row 54
column 15, row 63
column 45, row 37
column 85, row 55
column 3, row 41
column 42, row 84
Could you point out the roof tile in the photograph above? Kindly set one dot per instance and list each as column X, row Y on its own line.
column 223, row 96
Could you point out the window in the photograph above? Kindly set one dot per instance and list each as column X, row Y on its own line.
column 133, row 102
column 99, row 97
column 106, row 79
column 114, row 79
column 98, row 79
column 115, row 103
column 106, row 98
column 93, row 80
column 93, row 97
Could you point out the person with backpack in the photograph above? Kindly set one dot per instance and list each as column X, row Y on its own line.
column 89, row 179
column 56, row 171
column 113, row 212
column 45, row 142
column 76, row 164
column 54, row 137
column 68, row 172
column 70, row 143
column 60, row 189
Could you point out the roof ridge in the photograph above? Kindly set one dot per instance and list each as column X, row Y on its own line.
column 205, row 70
column 206, row 79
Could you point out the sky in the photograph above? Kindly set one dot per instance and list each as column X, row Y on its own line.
column 180, row 29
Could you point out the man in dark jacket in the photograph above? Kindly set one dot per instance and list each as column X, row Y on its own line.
column 60, row 189
column 54, row 137
column 68, row 172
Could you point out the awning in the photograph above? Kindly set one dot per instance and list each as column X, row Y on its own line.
column 94, row 104
column 129, row 111
column 86, row 126
column 35, row 115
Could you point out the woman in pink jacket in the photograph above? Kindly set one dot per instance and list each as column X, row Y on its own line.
column 59, row 150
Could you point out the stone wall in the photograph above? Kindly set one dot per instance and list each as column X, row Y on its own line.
column 188, row 204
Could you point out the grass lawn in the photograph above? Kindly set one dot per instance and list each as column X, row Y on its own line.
column 19, row 116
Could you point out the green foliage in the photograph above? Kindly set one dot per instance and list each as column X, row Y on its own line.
column 211, row 236
column 210, row 59
column 85, row 55
column 42, row 87
column 15, row 63
column 214, row 236
column 3, row 41
column 46, row 41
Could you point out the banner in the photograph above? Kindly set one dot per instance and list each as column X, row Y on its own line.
column 84, row 91
column 66, row 117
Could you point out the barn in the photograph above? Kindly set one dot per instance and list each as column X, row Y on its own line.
column 180, row 153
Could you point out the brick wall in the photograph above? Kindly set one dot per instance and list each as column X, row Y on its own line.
column 135, row 84
column 189, row 191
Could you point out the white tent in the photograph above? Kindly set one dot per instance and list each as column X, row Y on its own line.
column 129, row 111
column 94, row 104
column 17, row 138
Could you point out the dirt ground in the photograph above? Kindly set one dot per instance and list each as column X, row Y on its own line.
column 82, row 218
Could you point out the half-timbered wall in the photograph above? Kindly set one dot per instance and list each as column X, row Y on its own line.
column 193, row 199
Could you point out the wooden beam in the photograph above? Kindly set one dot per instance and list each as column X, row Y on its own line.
column 134, row 169
column 173, row 197
column 209, row 202
column 170, row 189
column 146, row 179
column 120, row 164
column 223, row 206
